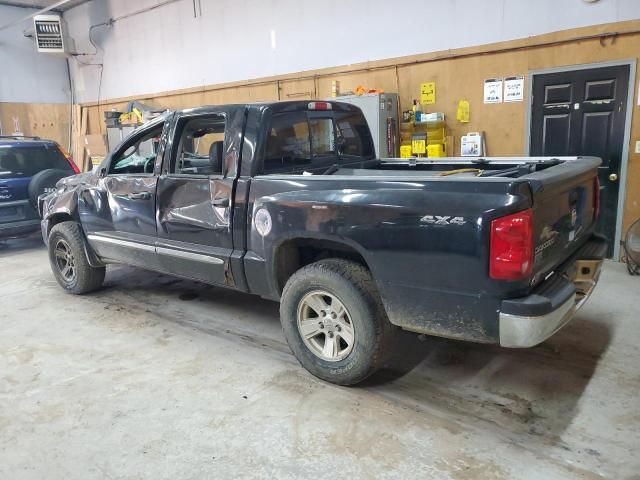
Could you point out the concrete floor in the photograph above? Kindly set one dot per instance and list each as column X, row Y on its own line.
column 160, row 378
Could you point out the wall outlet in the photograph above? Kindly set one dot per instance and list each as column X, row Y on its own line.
column 637, row 146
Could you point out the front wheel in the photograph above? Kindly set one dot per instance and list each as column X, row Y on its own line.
column 334, row 321
column 69, row 262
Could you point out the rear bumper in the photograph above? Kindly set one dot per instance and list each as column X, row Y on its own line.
column 528, row 321
column 18, row 229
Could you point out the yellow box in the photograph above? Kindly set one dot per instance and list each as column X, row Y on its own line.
column 419, row 146
column 405, row 151
column 436, row 150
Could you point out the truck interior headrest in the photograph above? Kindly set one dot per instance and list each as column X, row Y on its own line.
column 215, row 157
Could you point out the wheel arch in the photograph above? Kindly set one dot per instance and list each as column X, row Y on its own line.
column 294, row 253
column 56, row 218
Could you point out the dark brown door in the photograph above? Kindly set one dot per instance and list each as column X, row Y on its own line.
column 582, row 112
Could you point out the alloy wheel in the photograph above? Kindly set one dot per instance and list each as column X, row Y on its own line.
column 65, row 260
column 325, row 326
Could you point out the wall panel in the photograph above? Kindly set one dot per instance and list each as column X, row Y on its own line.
column 45, row 120
column 459, row 74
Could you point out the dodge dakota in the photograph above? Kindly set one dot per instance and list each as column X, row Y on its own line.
column 287, row 200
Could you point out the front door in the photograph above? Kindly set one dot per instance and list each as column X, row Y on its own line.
column 118, row 214
column 194, row 201
column 582, row 112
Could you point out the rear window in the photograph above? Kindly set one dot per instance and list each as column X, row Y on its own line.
column 28, row 160
column 298, row 142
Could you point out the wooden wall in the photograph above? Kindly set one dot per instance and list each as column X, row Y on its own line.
column 458, row 74
column 45, row 120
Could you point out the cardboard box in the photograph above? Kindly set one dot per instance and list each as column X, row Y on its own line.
column 95, row 145
column 95, row 148
column 450, row 146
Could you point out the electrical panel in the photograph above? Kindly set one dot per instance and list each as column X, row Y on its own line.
column 50, row 33
column 381, row 112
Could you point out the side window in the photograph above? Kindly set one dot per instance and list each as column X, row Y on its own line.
column 296, row 144
column 201, row 147
column 138, row 155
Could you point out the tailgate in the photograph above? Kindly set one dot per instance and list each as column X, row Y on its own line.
column 564, row 209
column 14, row 200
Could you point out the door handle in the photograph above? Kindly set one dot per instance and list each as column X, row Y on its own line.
column 222, row 202
column 613, row 177
column 139, row 196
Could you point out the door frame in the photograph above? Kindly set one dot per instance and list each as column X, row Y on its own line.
column 627, row 127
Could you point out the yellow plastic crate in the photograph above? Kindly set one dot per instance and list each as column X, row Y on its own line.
column 436, row 150
column 405, row 151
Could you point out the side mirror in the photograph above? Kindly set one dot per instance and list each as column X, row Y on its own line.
column 103, row 172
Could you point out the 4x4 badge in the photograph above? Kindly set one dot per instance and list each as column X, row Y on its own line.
column 443, row 220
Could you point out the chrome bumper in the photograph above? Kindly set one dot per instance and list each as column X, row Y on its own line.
column 517, row 331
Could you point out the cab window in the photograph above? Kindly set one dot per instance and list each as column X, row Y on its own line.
column 138, row 156
column 299, row 143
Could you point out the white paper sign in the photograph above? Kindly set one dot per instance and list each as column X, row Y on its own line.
column 493, row 90
column 514, row 89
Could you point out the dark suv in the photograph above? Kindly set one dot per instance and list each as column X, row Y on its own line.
column 29, row 167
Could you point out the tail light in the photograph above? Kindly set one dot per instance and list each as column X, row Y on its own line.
column 596, row 198
column 319, row 106
column 511, row 246
column 67, row 155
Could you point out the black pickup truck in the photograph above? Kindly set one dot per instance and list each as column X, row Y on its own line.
column 286, row 200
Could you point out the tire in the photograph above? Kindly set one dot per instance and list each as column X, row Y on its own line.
column 364, row 321
column 66, row 244
column 44, row 182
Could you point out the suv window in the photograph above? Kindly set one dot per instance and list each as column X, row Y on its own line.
column 139, row 155
column 26, row 161
column 297, row 142
column 201, row 147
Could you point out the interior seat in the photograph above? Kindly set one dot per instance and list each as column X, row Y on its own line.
column 215, row 158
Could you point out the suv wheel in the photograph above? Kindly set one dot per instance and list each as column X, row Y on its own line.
column 69, row 262
column 334, row 321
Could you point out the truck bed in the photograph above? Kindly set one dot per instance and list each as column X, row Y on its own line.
column 465, row 167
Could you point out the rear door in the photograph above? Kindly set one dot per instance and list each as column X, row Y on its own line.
column 118, row 214
column 195, row 194
column 582, row 112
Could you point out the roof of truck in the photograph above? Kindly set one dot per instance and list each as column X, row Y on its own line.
column 279, row 105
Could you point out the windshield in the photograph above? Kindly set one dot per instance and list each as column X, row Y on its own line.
column 26, row 161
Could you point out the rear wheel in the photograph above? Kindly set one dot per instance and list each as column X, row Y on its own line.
column 69, row 262
column 334, row 321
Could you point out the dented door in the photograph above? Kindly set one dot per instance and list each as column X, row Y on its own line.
column 194, row 199
column 194, row 228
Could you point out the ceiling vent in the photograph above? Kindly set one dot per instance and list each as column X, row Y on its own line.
column 50, row 32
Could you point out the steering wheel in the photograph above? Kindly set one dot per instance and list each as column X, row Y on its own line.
column 149, row 161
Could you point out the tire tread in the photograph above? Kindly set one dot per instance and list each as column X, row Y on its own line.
column 88, row 278
column 361, row 279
